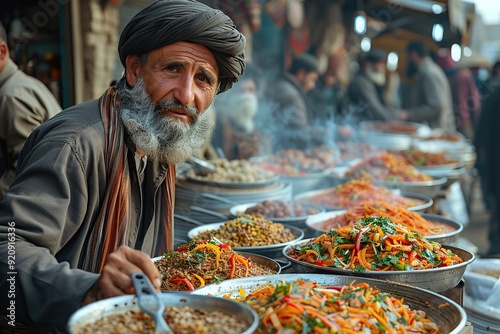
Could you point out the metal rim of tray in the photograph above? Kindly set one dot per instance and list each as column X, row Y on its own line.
column 434, row 279
column 453, row 318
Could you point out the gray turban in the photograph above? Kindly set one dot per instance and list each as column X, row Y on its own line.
column 168, row 21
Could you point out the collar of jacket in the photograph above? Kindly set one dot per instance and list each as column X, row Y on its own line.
column 9, row 68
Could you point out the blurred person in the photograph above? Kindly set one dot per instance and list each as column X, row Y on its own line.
column 465, row 95
column 488, row 160
column 93, row 197
column 434, row 104
column 25, row 103
column 236, row 131
column 365, row 94
column 291, row 117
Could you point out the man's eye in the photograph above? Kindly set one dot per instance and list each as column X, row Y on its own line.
column 171, row 68
column 203, row 78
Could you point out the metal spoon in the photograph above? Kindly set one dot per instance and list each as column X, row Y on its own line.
column 150, row 302
column 202, row 167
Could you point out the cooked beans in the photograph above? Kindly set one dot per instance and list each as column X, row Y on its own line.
column 280, row 209
column 182, row 320
column 234, row 171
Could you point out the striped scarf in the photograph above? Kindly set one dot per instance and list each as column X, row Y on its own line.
column 111, row 228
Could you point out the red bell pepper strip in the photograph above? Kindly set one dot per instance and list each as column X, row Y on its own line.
column 357, row 243
column 183, row 280
column 233, row 266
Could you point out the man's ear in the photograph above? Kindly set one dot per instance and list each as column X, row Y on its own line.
column 4, row 53
column 132, row 69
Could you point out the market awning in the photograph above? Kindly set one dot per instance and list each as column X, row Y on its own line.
column 419, row 17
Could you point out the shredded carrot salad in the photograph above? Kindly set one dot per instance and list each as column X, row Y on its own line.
column 386, row 167
column 397, row 213
column 199, row 263
column 377, row 244
column 354, row 192
column 306, row 307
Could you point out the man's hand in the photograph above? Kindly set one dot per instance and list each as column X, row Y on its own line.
column 403, row 115
column 116, row 274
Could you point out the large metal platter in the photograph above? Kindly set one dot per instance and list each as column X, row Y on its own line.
column 296, row 221
column 435, row 279
column 313, row 223
column 440, row 168
column 272, row 251
column 452, row 318
column 118, row 305
column 426, row 200
column 235, row 185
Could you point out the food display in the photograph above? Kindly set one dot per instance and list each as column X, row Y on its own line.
column 293, row 162
column 419, row 158
column 397, row 213
column 281, row 209
column 353, row 193
column 307, row 307
column 182, row 320
column 234, row 171
column 395, row 127
column 350, row 150
column 386, row 167
column 249, row 231
column 199, row 263
column 374, row 244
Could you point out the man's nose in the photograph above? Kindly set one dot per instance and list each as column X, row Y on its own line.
column 184, row 91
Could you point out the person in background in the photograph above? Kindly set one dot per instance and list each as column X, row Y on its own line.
column 365, row 94
column 236, row 131
column 466, row 99
column 291, row 125
column 488, row 160
column 434, row 104
column 94, row 194
column 25, row 103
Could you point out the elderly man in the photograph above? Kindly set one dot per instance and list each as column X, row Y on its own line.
column 25, row 103
column 93, row 197
column 366, row 90
column 434, row 104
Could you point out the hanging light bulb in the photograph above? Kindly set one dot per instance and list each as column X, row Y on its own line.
column 360, row 23
column 366, row 44
column 437, row 32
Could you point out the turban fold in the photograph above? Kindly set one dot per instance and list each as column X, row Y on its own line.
column 168, row 21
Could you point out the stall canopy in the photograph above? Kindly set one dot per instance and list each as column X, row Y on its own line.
column 419, row 17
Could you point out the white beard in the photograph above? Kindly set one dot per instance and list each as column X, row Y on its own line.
column 240, row 109
column 377, row 77
column 159, row 137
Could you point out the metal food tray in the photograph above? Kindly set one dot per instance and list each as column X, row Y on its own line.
column 451, row 318
column 272, row 251
column 435, row 279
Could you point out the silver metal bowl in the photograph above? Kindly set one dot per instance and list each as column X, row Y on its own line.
column 118, row 305
column 272, row 251
column 298, row 221
column 451, row 318
column 313, row 223
column 435, row 279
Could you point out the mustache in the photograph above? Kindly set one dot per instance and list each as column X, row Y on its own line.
column 171, row 104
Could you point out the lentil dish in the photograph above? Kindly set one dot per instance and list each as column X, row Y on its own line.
column 182, row 320
column 280, row 209
column 249, row 231
column 234, row 171
column 199, row 263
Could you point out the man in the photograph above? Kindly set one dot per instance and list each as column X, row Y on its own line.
column 366, row 90
column 25, row 103
column 465, row 95
column 291, row 118
column 93, row 197
column 236, row 132
column 433, row 95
